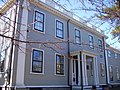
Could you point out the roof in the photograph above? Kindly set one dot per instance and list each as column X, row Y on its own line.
column 113, row 49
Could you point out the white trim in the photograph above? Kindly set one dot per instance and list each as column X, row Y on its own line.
column 75, row 28
column 42, row 86
column 107, row 64
column 22, row 54
column 85, row 52
column 79, row 68
column 63, row 29
column 44, row 20
column 96, row 76
column 55, row 65
column 31, row 62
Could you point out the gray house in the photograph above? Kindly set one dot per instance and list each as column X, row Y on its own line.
column 113, row 60
column 45, row 47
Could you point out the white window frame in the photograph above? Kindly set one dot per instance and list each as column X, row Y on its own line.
column 56, row 29
column 55, row 65
column 32, row 59
column 34, row 21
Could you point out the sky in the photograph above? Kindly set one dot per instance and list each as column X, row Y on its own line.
column 85, row 15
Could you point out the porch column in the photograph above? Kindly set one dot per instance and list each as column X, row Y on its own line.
column 85, row 80
column 96, row 79
column 78, row 69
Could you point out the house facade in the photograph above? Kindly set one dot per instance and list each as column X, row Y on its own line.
column 45, row 47
column 113, row 65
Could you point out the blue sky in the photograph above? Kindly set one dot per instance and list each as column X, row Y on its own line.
column 1, row 3
column 84, row 15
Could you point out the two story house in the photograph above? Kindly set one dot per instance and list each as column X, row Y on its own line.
column 46, row 47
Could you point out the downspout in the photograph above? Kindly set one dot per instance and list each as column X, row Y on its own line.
column 104, row 49
column 68, row 52
column 81, row 71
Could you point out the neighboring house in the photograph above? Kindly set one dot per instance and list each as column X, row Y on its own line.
column 113, row 58
column 50, row 48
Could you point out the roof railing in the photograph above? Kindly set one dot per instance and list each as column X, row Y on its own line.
column 58, row 7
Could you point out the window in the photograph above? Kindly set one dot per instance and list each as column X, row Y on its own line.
column 59, row 29
column 39, row 21
column 91, row 41
column 100, row 44
column 111, row 73
column 1, row 66
column 59, row 64
column 115, row 55
column 117, row 73
column 109, row 53
column 77, row 36
column 37, row 61
column 102, row 69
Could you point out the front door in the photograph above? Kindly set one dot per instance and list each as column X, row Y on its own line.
column 90, row 70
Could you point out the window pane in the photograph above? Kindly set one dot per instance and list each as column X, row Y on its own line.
column 60, row 64
column 111, row 73
column 91, row 41
column 39, row 21
column 59, row 29
column 37, row 62
column 77, row 40
column 78, row 33
column 77, row 36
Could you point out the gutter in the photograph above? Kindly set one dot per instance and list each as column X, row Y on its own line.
column 68, row 53
column 104, row 49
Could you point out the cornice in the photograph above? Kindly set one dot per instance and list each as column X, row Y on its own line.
column 66, row 17
column 113, row 49
column 7, row 6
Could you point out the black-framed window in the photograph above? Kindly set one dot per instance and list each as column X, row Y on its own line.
column 59, row 29
column 37, row 61
column 77, row 36
column 111, row 73
column 91, row 43
column 39, row 21
column 100, row 45
column 59, row 64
